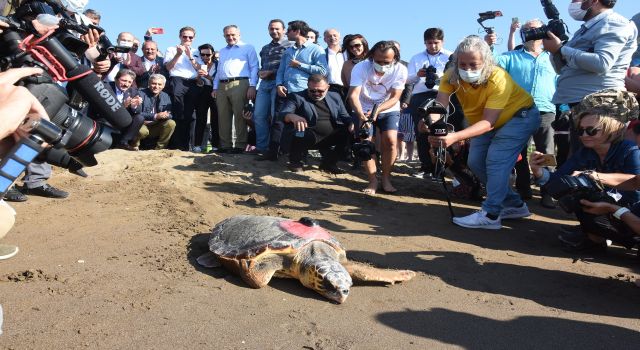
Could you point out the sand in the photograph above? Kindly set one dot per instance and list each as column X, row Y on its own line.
column 113, row 267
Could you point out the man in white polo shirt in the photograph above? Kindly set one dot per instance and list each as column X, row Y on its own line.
column 234, row 85
column 335, row 60
column 182, row 63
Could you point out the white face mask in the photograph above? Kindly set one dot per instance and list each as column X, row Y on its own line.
column 383, row 69
column 576, row 12
column 74, row 5
column 125, row 43
column 470, row 76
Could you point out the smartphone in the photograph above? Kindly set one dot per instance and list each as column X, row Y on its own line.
column 157, row 30
column 549, row 160
column 515, row 20
column 204, row 68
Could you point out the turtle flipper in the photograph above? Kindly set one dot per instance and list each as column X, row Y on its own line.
column 208, row 259
column 368, row 273
column 258, row 273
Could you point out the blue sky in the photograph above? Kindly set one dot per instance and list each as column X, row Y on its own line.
column 404, row 21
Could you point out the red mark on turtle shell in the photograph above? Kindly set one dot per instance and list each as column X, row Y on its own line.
column 304, row 231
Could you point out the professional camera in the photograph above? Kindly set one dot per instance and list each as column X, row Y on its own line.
column 364, row 149
column 569, row 190
column 22, row 46
column 431, row 79
column 555, row 25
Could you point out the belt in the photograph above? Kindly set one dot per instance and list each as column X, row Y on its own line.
column 228, row 80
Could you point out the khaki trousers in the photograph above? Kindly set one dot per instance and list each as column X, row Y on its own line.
column 230, row 99
column 162, row 129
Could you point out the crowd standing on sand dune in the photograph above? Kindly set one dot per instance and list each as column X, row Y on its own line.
column 470, row 113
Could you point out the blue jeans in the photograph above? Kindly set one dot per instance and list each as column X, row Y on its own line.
column 263, row 110
column 492, row 156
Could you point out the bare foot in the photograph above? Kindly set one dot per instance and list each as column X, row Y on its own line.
column 372, row 188
column 388, row 187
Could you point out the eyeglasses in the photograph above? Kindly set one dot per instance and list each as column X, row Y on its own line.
column 187, row 37
column 590, row 130
column 317, row 91
column 353, row 46
column 205, row 54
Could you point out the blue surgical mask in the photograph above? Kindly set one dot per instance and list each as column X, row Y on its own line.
column 383, row 69
column 470, row 76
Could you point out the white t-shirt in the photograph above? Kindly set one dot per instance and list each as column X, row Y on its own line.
column 377, row 89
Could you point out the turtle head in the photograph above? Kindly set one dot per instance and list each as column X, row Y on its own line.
column 329, row 278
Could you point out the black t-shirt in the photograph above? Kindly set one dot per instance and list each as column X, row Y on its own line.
column 323, row 126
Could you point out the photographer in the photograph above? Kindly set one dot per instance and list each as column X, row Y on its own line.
column 501, row 117
column 603, row 149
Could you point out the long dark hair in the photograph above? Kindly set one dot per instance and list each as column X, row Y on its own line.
column 351, row 37
column 383, row 46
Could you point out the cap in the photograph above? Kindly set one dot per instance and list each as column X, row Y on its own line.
column 622, row 105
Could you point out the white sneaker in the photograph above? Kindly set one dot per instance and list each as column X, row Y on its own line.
column 515, row 212
column 196, row 149
column 478, row 219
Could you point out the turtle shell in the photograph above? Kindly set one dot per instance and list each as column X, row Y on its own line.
column 247, row 236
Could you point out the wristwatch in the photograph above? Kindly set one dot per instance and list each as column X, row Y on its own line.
column 620, row 212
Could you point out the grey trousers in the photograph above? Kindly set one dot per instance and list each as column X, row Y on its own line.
column 37, row 174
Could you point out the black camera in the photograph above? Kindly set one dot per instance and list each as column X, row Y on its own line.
column 22, row 46
column 555, row 25
column 569, row 190
column 431, row 78
column 364, row 149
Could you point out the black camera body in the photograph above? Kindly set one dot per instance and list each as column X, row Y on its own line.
column 431, row 79
column 555, row 25
column 569, row 190
column 364, row 149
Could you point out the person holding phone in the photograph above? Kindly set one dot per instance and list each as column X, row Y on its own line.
column 603, row 149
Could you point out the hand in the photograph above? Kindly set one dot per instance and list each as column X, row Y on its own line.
column 41, row 28
column 214, row 93
column 553, row 43
column 282, row 91
column 148, row 32
column 447, row 141
column 102, row 66
column 11, row 76
column 251, row 93
column 294, row 63
column 491, row 39
column 299, row 123
column 202, row 73
column 136, row 101
column 3, row 25
column 598, row 208
column 187, row 51
column 536, row 159
column 91, row 38
column 179, row 50
column 514, row 27
column 127, row 102
column 422, row 127
column 247, row 115
column 16, row 105
column 632, row 83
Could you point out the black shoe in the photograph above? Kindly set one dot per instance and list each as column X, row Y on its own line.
column 14, row 195
column 547, row 201
column 46, row 190
column 271, row 156
column 295, row 167
column 331, row 168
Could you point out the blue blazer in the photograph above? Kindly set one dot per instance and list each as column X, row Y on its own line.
column 300, row 104
column 164, row 104
column 131, row 92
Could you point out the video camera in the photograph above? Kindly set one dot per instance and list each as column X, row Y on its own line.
column 57, row 54
column 483, row 16
column 431, row 78
column 555, row 25
column 364, row 149
column 438, row 128
column 569, row 190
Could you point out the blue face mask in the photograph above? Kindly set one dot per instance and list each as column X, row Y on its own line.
column 470, row 76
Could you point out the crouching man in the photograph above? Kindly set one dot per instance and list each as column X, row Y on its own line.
column 320, row 121
column 156, row 111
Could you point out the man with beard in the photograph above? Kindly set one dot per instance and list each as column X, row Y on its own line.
column 320, row 121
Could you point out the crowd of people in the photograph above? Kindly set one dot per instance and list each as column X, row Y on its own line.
column 293, row 96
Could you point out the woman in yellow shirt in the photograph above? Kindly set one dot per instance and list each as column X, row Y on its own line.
column 501, row 118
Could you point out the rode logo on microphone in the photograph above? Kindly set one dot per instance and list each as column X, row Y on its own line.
column 107, row 96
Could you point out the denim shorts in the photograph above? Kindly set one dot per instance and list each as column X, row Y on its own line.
column 386, row 121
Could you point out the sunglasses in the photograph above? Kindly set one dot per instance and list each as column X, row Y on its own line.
column 355, row 45
column 187, row 37
column 205, row 54
column 590, row 130
column 317, row 91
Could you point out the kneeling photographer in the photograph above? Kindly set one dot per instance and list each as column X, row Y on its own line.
column 603, row 150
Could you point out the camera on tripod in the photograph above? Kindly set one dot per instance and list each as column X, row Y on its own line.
column 22, row 46
column 569, row 190
column 555, row 25
column 364, row 149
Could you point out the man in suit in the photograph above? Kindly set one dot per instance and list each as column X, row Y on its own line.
column 319, row 120
column 151, row 62
column 130, row 99
column 124, row 60
column 156, row 112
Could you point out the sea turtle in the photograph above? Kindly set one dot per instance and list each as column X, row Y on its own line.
column 259, row 247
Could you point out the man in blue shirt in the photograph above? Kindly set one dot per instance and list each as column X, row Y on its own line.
column 530, row 67
column 298, row 63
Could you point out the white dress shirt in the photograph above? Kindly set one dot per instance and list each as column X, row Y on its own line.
column 335, row 61
column 183, row 67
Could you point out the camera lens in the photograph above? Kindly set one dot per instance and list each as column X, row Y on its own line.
column 534, row 33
